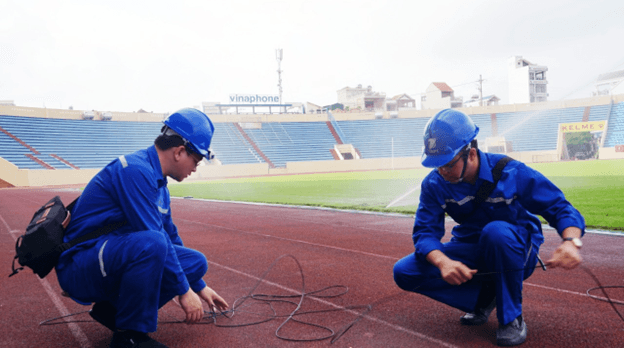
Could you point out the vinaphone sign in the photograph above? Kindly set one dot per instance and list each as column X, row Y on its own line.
column 254, row 99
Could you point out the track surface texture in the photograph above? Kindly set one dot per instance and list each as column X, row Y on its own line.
column 354, row 250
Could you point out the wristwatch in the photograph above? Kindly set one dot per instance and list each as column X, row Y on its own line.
column 576, row 241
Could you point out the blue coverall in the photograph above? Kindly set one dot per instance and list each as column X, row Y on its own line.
column 140, row 266
column 502, row 236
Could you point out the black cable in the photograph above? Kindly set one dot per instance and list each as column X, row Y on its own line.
column 604, row 292
column 211, row 317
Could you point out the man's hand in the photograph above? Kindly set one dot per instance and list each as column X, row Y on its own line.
column 456, row 273
column 453, row 272
column 566, row 256
column 213, row 299
column 191, row 304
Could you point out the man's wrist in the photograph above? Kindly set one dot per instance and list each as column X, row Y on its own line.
column 575, row 241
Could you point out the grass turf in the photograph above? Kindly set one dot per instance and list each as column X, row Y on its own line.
column 595, row 188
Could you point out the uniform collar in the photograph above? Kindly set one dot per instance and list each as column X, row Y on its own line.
column 152, row 156
column 485, row 169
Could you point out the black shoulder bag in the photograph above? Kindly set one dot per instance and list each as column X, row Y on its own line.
column 40, row 247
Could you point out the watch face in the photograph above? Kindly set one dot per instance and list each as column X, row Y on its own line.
column 577, row 242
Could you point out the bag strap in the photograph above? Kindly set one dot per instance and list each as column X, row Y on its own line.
column 72, row 204
column 15, row 270
column 486, row 188
column 92, row 235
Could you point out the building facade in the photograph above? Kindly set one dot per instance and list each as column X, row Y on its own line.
column 527, row 81
column 439, row 95
column 362, row 98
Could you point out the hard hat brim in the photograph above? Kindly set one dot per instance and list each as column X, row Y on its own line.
column 436, row 161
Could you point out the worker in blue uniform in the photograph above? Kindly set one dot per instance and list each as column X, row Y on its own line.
column 495, row 245
column 133, row 271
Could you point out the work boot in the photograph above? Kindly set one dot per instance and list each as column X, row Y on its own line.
column 133, row 339
column 104, row 313
column 479, row 316
column 512, row 334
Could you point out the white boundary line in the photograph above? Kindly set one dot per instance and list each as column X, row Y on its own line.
column 74, row 328
column 292, row 240
column 379, row 321
column 356, row 252
column 545, row 227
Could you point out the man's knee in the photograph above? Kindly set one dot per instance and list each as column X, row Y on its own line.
column 497, row 233
column 404, row 274
column 151, row 244
column 399, row 276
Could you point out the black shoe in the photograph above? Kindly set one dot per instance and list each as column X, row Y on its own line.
column 479, row 316
column 133, row 339
column 512, row 334
column 104, row 313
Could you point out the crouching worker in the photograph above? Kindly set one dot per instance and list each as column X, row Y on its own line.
column 133, row 271
column 495, row 245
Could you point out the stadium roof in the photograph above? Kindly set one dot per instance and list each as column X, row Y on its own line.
column 611, row 75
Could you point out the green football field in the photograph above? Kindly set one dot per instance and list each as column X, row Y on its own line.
column 595, row 188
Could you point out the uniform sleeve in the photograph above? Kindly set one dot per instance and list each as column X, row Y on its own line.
column 169, row 226
column 429, row 224
column 540, row 196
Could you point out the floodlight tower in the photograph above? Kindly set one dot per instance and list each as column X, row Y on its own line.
column 279, row 56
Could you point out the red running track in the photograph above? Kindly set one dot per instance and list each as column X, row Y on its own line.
column 356, row 250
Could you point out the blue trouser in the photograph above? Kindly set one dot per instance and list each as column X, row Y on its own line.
column 128, row 270
column 504, row 255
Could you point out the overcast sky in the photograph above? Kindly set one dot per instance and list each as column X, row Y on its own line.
column 164, row 55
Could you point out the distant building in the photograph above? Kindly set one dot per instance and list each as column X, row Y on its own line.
column 527, row 81
column 487, row 101
column 439, row 95
column 610, row 83
column 399, row 102
column 312, row 108
column 363, row 98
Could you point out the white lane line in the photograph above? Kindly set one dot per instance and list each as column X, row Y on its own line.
column 376, row 320
column 361, row 252
column 79, row 335
column 558, row 290
column 294, row 240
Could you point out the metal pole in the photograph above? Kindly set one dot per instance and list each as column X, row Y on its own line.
column 279, row 56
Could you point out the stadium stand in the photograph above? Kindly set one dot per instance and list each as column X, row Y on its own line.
column 542, row 126
column 230, row 147
column 285, row 142
column 37, row 143
column 615, row 130
column 386, row 137
column 93, row 144
column 83, row 143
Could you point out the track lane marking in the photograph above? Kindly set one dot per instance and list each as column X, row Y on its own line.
column 379, row 321
column 359, row 252
column 293, row 240
column 76, row 331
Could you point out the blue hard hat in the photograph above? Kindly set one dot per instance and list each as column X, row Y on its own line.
column 445, row 135
column 195, row 127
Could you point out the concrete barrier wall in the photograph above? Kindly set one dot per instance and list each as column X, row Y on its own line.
column 338, row 115
column 43, row 177
column 352, row 165
column 210, row 172
column 11, row 174
column 609, row 153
